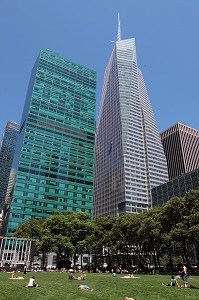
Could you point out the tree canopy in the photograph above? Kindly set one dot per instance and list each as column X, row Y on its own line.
column 163, row 232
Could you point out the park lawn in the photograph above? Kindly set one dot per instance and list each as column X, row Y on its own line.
column 56, row 286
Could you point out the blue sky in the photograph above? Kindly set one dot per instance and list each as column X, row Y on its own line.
column 167, row 41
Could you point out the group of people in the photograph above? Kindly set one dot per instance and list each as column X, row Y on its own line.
column 31, row 283
column 173, row 282
column 81, row 277
column 182, row 276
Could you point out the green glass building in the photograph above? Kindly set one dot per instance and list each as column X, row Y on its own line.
column 54, row 156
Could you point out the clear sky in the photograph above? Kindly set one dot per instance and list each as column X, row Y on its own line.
column 167, row 40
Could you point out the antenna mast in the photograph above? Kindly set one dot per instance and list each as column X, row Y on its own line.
column 119, row 29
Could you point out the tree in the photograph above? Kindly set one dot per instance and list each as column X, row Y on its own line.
column 73, row 228
column 30, row 229
column 150, row 235
column 59, row 244
column 102, row 238
column 180, row 220
column 191, row 221
column 125, row 236
column 172, row 229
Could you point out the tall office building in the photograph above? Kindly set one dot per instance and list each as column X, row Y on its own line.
column 181, row 147
column 129, row 157
column 55, row 149
column 7, row 149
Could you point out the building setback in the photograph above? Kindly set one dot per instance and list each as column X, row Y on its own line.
column 129, row 157
column 7, row 149
column 54, row 155
column 176, row 187
column 181, row 147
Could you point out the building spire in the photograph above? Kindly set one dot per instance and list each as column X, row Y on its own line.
column 119, row 29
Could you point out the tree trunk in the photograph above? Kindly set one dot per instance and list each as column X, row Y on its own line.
column 158, row 258
column 43, row 260
column 82, row 260
column 197, row 253
column 185, row 254
column 171, row 261
column 155, row 259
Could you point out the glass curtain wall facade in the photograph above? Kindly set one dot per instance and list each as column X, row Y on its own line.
column 54, row 156
column 177, row 187
column 129, row 157
column 7, row 149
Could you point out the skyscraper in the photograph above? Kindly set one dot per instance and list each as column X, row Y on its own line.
column 55, row 149
column 129, row 157
column 7, row 149
column 181, row 147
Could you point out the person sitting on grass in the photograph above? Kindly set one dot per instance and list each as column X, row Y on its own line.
column 32, row 283
column 83, row 276
column 84, row 287
column 173, row 282
column 71, row 276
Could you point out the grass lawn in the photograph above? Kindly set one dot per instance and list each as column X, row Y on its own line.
column 56, row 286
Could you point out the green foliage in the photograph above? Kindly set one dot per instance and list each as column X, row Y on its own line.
column 171, row 229
column 30, row 229
column 177, row 217
column 125, row 232
column 64, row 234
column 103, row 231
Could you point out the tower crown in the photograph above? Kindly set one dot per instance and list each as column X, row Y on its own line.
column 119, row 29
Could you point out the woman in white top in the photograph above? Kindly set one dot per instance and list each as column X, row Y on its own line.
column 32, row 282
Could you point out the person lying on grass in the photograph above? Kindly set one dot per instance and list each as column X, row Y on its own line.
column 84, row 287
column 191, row 286
column 16, row 277
column 127, row 298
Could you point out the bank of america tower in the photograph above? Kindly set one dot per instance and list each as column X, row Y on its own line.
column 129, row 157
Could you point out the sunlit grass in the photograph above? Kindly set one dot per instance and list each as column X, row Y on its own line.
column 56, row 286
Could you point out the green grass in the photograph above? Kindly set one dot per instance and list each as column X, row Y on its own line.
column 56, row 286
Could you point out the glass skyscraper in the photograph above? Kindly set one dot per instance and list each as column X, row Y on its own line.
column 129, row 157
column 7, row 149
column 55, row 150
